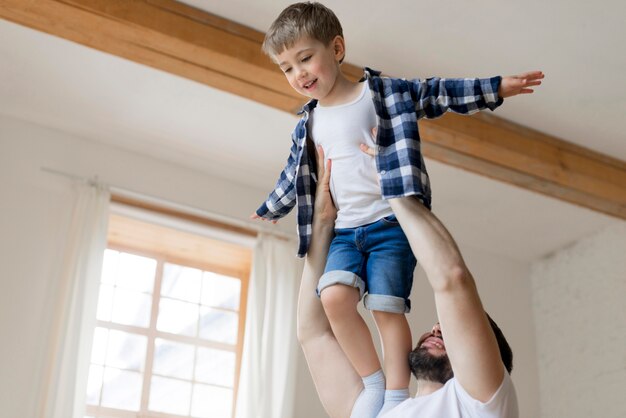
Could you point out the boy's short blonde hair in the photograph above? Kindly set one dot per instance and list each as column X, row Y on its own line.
column 308, row 19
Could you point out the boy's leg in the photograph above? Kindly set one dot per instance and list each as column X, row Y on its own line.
column 397, row 344
column 352, row 333
column 340, row 289
column 390, row 269
column 340, row 303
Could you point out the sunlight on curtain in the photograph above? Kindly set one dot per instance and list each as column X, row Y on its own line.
column 75, row 313
column 267, row 380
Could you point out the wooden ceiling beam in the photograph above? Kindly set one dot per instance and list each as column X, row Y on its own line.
column 502, row 150
column 197, row 45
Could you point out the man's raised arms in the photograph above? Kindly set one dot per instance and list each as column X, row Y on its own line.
column 338, row 384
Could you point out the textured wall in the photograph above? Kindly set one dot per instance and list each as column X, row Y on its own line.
column 579, row 303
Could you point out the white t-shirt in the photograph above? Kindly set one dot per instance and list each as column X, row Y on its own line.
column 452, row 401
column 354, row 182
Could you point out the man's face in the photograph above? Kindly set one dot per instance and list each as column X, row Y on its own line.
column 429, row 360
column 310, row 67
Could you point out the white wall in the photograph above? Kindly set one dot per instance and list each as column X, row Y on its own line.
column 579, row 300
column 35, row 207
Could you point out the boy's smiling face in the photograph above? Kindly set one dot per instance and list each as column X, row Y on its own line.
column 311, row 67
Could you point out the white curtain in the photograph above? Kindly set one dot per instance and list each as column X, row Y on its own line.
column 75, row 313
column 268, row 369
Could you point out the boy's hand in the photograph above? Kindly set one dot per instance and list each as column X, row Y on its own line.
column 519, row 84
column 324, row 210
column 255, row 216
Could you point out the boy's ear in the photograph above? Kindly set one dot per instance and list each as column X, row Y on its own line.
column 339, row 48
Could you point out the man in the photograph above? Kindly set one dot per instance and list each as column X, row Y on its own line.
column 458, row 364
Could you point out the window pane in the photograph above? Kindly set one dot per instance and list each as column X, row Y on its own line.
column 220, row 326
column 177, row 317
column 181, row 282
column 136, row 273
column 105, row 302
column 94, row 384
column 99, row 348
column 216, row 367
column 126, row 351
column 211, row 402
column 170, row 396
column 173, row 359
column 131, row 308
column 121, row 389
column 221, row 291
column 191, row 376
column 109, row 266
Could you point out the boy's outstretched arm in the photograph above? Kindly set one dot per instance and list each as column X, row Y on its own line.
column 283, row 198
column 519, row 84
column 337, row 383
column 433, row 97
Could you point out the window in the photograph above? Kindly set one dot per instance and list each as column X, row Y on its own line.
column 170, row 321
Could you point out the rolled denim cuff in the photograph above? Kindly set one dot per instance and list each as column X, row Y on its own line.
column 386, row 303
column 341, row 277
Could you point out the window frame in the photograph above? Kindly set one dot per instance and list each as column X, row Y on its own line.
column 163, row 256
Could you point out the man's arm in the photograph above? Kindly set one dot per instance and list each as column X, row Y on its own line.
column 337, row 383
column 469, row 341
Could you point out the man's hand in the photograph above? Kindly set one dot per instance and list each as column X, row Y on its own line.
column 324, row 209
column 519, row 84
column 368, row 150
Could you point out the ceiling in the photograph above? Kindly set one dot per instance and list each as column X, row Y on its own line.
column 104, row 98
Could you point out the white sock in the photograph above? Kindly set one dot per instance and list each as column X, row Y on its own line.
column 392, row 399
column 371, row 398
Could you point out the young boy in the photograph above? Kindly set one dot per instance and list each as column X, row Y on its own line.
column 369, row 257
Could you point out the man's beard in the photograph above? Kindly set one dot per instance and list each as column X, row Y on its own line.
column 425, row 366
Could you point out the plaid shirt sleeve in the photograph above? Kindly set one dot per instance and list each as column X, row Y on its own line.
column 435, row 96
column 280, row 201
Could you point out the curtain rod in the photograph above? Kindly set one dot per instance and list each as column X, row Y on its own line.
column 126, row 196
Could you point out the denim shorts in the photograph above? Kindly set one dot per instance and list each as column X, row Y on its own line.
column 376, row 259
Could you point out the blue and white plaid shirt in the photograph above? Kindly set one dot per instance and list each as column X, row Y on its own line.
column 399, row 103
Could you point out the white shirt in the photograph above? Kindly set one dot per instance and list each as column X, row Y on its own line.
column 452, row 401
column 354, row 183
